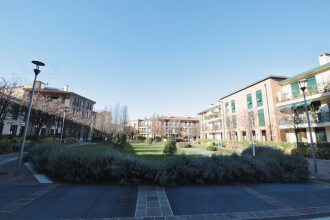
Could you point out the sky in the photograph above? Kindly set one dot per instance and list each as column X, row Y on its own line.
column 160, row 56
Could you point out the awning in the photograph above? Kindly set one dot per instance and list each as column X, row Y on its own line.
column 294, row 105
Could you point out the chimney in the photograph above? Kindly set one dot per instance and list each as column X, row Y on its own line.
column 324, row 58
column 66, row 88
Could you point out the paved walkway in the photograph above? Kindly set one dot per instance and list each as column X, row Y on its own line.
column 323, row 168
column 27, row 199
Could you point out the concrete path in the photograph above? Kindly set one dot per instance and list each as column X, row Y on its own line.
column 323, row 168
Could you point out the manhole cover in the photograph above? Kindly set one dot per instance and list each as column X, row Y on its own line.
column 3, row 173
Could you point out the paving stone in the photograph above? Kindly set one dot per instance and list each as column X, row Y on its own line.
column 154, row 212
column 166, row 211
column 159, row 218
column 153, row 204
column 171, row 218
column 184, row 217
column 148, row 218
column 152, row 198
column 139, row 213
column 164, row 203
column 141, row 207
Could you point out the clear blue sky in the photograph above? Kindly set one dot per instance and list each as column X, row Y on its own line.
column 161, row 56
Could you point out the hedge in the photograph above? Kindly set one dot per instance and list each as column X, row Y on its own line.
column 74, row 165
column 305, row 150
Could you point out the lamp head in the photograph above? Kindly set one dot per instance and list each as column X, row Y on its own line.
column 303, row 85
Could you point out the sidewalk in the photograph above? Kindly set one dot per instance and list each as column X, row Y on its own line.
column 7, row 172
column 323, row 168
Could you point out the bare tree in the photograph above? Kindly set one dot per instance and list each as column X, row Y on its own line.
column 7, row 101
column 292, row 118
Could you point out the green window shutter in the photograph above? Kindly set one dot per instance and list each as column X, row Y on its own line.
column 259, row 98
column 249, row 101
column 227, row 110
column 233, row 107
column 311, row 84
column 234, row 121
column 261, row 117
column 295, row 89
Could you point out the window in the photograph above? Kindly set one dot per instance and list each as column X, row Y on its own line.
column 21, row 131
column 295, row 90
column 234, row 121
column 244, row 135
column 13, row 130
column 261, row 117
column 249, row 101
column 264, row 135
column 226, row 107
column 311, row 84
column 233, row 107
column 259, row 98
column 321, row 135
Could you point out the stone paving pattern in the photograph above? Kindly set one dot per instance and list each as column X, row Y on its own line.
column 152, row 201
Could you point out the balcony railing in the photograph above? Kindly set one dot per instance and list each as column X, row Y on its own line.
column 213, row 116
column 316, row 118
column 321, row 88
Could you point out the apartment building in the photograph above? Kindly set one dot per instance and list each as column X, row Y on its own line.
column 249, row 113
column 176, row 127
column 293, row 124
column 72, row 102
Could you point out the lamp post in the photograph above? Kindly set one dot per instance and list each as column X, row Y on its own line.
column 303, row 87
column 36, row 72
column 62, row 130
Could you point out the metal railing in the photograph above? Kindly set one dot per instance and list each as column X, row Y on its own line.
column 317, row 118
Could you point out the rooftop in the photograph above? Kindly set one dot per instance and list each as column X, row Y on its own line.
column 306, row 74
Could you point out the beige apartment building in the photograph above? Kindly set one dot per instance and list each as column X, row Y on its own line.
column 176, row 127
column 73, row 102
column 293, row 123
column 249, row 113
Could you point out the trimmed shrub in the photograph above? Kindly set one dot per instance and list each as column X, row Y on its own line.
column 305, row 150
column 149, row 140
column 119, row 139
column 75, row 165
column 170, row 147
column 50, row 140
column 212, row 148
column 71, row 140
column 183, row 145
column 6, row 145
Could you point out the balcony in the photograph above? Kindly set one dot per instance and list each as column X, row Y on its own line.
column 321, row 88
column 315, row 118
column 213, row 116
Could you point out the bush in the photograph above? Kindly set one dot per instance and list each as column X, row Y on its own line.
column 119, row 139
column 149, row 140
column 71, row 140
column 6, row 145
column 212, row 148
column 305, row 150
column 50, row 140
column 75, row 165
column 183, row 145
column 170, row 147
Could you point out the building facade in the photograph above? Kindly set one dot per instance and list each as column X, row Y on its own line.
column 175, row 127
column 247, row 114
column 293, row 124
column 70, row 102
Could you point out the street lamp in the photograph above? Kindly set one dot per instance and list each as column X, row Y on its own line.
column 62, row 130
column 303, row 86
column 36, row 72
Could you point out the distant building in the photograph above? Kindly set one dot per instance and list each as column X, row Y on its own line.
column 176, row 127
column 290, row 102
